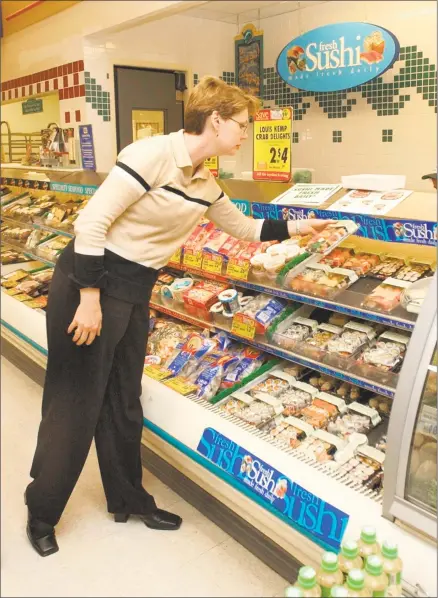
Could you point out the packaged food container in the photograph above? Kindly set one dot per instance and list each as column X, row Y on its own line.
column 362, row 263
column 337, row 257
column 359, row 419
column 331, row 236
column 257, row 411
column 388, row 267
column 415, row 270
column 323, row 409
column 296, row 398
column 354, row 337
column 263, row 309
column 321, row 446
column 273, row 384
column 387, row 353
column 288, row 431
column 386, row 296
column 315, row 345
column 293, row 330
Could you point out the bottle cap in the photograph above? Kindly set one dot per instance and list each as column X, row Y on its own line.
column 339, row 592
column 350, row 549
column 368, row 534
column 307, row 577
column 389, row 550
column 329, row 561
column 374, row 565
column 356, row 579
column 293, row 592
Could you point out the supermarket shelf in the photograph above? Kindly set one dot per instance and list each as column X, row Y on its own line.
column 346, row 302
column 28, row 253
column 36, row 226
column 180, row 313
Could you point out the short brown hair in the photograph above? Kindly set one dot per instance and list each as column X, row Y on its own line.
column 212, row 94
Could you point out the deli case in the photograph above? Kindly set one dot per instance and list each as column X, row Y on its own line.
column 301, row 503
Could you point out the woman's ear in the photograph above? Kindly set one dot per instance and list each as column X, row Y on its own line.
column 215, row 121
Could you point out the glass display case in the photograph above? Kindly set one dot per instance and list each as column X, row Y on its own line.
column 411, row 474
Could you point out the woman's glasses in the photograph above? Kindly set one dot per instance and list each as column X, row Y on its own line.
column 243, row 126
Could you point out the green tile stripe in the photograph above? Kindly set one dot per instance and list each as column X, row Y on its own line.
column 99, row 99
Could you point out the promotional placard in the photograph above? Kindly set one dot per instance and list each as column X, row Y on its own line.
column 339, row 56
column 32, row 105
column 307, row 195
column 293, row 504
column 372, row 203
column 272, row 145
column 87, row 147
column 249, row 60
column 213, row 165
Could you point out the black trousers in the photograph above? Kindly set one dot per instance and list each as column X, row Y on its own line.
column 91, row 392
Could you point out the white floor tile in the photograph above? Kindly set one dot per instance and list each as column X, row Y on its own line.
column 98, row 557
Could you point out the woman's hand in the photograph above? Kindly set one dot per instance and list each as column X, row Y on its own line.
column 87, row 320
column 312, row 226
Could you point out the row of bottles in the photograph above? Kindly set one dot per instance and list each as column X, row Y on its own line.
column 363, row 568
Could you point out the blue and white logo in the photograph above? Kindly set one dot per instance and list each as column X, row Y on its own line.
column 336, row 57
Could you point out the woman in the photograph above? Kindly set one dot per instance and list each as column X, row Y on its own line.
column 97, row 314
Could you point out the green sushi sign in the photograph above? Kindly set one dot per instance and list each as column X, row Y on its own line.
column 31, row 106
column 336, row 57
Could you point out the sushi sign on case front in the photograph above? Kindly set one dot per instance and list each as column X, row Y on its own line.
column 336, row 57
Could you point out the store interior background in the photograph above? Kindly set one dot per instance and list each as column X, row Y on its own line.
column 392, row 133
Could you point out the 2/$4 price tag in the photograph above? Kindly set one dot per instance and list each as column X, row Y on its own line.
column 243, row 326
column 272, row 145
column 192, row 259
column 238, row 270
column 181, row 386
column 212, row 263
column 156, row 372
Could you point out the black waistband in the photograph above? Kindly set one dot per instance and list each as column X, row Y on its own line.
column 123, row 279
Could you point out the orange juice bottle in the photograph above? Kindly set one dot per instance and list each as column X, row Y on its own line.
column 349, row 558
column 356, row 584
column 307, row 583
column 329, row 574
column 368, row 543
column 393, row 567
column 376, row 581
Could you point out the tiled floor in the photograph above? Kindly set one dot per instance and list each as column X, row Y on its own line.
column 98, row 557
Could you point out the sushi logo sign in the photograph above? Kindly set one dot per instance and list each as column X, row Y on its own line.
column 337, row 57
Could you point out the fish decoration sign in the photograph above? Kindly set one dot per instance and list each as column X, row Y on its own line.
column 336, row 57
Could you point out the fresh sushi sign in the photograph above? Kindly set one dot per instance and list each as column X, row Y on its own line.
column 336, row 57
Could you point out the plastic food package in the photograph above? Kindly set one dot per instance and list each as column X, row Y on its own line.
column 362, row 263
column 296, row 398
column 365, row 466
column 324, row 408
column 166, row 336
column 387, row 353
column 52, row 248
column 414, row 271
column 45, row 276
column 293, row 329
column 381, row 443
column 412, row 298
column 331, row 236
column 274, row 385
column 295, row 370
column 359, row 419
column 288, row 431
column 203, row 294
column 263, row 309
column 353, row 338
column 387, row 268
column 382, row 404
column 387, row 295
column 344, row 390
column 321, row 446
column 185, row 358
column 337, row 257
column 322, row 335
column 18, row 235
column 249, row 361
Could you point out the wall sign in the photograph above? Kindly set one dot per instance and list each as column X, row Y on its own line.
column 309, row 514
column 249, row 60
column 87, row 147
column 272, row 145
column 213, row 165
column 336, row 57
column 415, row 232
column 32, row 106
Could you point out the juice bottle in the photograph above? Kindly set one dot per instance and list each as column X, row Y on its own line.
column 393, row 567
column 376, row 581
column 349, row 558
column 329, row 574
column 356, row 584
column 339, row 592
column 368, row 543
column 293, row 592
column 307, row 583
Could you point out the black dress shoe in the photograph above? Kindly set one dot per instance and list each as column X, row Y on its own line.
column 41, row 536
column 158, row 519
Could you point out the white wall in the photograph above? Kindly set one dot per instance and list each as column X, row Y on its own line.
column 177, row 42
column 18, row 122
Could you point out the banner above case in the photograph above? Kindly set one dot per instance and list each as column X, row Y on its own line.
column 336, row 57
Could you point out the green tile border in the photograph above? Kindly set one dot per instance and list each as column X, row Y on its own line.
column 99, row 99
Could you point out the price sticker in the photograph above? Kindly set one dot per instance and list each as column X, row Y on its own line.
column 238, row 270
column 156, row 372
column 213, row 165
column 176, row 257
column 192, row 259
column 243, row 326
column 212, row 263
column 272, row 145
column 181, row 386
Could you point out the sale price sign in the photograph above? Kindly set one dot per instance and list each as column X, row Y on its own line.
column 213, row 165
column 272, row 145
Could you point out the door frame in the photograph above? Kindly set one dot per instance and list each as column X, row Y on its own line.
column 155, row 68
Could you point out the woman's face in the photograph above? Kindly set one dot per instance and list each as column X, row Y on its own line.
column 231, row 132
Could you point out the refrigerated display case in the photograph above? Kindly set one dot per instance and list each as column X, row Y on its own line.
column 321, row 504
column 411, row 473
